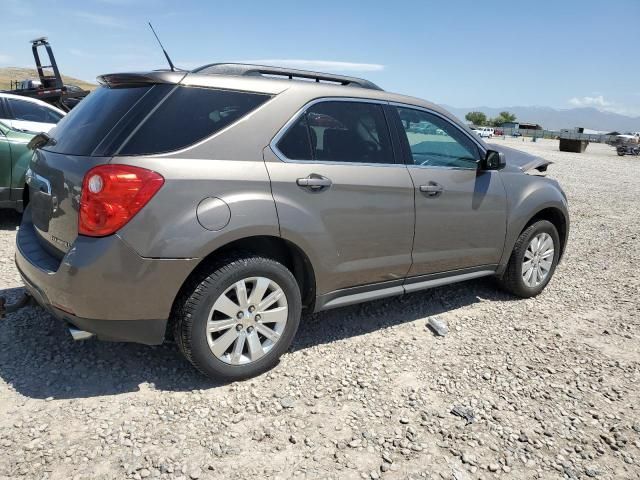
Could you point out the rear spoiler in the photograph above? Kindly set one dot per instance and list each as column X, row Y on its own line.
column 113, row 80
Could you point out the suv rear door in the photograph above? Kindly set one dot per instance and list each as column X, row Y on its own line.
column 341, row 196
column 460, row 210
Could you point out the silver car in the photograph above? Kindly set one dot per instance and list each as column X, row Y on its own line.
column 216, row 205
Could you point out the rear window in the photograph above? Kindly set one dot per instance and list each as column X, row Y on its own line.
column 81, row 131
column 148, row 119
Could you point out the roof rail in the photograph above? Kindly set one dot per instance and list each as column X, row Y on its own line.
column 240, row 69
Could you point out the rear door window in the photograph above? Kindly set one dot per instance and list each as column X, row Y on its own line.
column 353, row 132
column 3, row 110
column 296, row 143
column 32, row 112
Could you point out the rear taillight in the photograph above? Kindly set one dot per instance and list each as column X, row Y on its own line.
column 112, row 195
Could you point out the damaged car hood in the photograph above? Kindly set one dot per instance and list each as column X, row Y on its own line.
column 521, row 160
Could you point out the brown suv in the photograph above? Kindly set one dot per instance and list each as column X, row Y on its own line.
column 218, row 204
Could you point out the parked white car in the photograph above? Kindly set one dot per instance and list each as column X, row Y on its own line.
column 484, row 132
column 29, row 114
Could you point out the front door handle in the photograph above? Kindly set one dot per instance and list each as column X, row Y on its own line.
column 314, row 182
column 432, row 190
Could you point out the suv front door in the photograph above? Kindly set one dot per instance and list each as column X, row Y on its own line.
column 460, row 210
column 341, row 196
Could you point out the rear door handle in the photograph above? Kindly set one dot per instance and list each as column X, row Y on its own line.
column 314, row 182
column 432, row 190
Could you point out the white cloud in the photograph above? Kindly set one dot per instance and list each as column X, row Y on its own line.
column 319, row 65
column 596, row 101
column 600, row 103
column 102, row 20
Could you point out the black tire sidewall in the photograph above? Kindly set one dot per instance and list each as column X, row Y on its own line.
column 542, row 226
column 201, row 354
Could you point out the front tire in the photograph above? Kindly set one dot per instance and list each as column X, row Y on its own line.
column 533, row 260
column 237, row 319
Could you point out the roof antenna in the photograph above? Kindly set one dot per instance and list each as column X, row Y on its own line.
column 173, row 68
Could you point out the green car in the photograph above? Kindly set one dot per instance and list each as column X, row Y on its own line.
column 14, row 161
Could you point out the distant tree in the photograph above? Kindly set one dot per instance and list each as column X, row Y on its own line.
column 504, row 117
column 507, row 117
column 477, row 118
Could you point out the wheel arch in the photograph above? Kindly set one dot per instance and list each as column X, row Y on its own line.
column 276, row 248
column 558, row 219
column 554, row 212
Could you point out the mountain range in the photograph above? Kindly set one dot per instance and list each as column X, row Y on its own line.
column 553, row 119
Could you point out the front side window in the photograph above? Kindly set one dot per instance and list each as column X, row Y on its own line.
column 31, row 112
column 354, row 132
column 433, row 141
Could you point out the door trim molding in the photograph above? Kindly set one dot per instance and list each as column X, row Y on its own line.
column 422, row 282
column 391, row 288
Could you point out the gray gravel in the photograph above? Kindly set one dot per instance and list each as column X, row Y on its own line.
column 543, row 388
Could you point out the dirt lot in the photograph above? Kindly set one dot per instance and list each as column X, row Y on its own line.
column 551, row 385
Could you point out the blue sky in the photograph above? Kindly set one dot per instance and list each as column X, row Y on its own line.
column 461, row 53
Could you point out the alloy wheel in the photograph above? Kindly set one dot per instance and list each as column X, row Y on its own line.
column 538, row 260
column 247, row 320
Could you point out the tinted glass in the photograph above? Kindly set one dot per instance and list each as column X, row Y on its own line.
column 295, row 144
column 31, row 112
column 88, row 123
column 188, row 115
column 434, row 141
column 349, row 132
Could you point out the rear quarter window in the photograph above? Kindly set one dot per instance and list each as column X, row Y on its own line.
column 188, row 115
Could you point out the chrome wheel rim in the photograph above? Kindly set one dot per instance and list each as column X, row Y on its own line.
column 538, row 259
column 247, row 320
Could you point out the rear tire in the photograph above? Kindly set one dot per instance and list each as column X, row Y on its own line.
column 529, row 271
column 223, row 326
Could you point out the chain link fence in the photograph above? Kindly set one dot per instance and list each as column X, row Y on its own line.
column 555, row 134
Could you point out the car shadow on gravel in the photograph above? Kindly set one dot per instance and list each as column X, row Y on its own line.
column 9, row 219
column 39, row 359
column 364, row 318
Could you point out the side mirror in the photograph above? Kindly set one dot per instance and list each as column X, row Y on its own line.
column 493, row 160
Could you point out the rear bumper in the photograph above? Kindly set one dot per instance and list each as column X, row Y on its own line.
column 102, row 285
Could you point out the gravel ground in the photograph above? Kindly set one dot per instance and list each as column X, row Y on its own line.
column 543, row 388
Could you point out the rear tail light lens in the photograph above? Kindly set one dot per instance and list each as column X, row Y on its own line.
column 112, row 195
